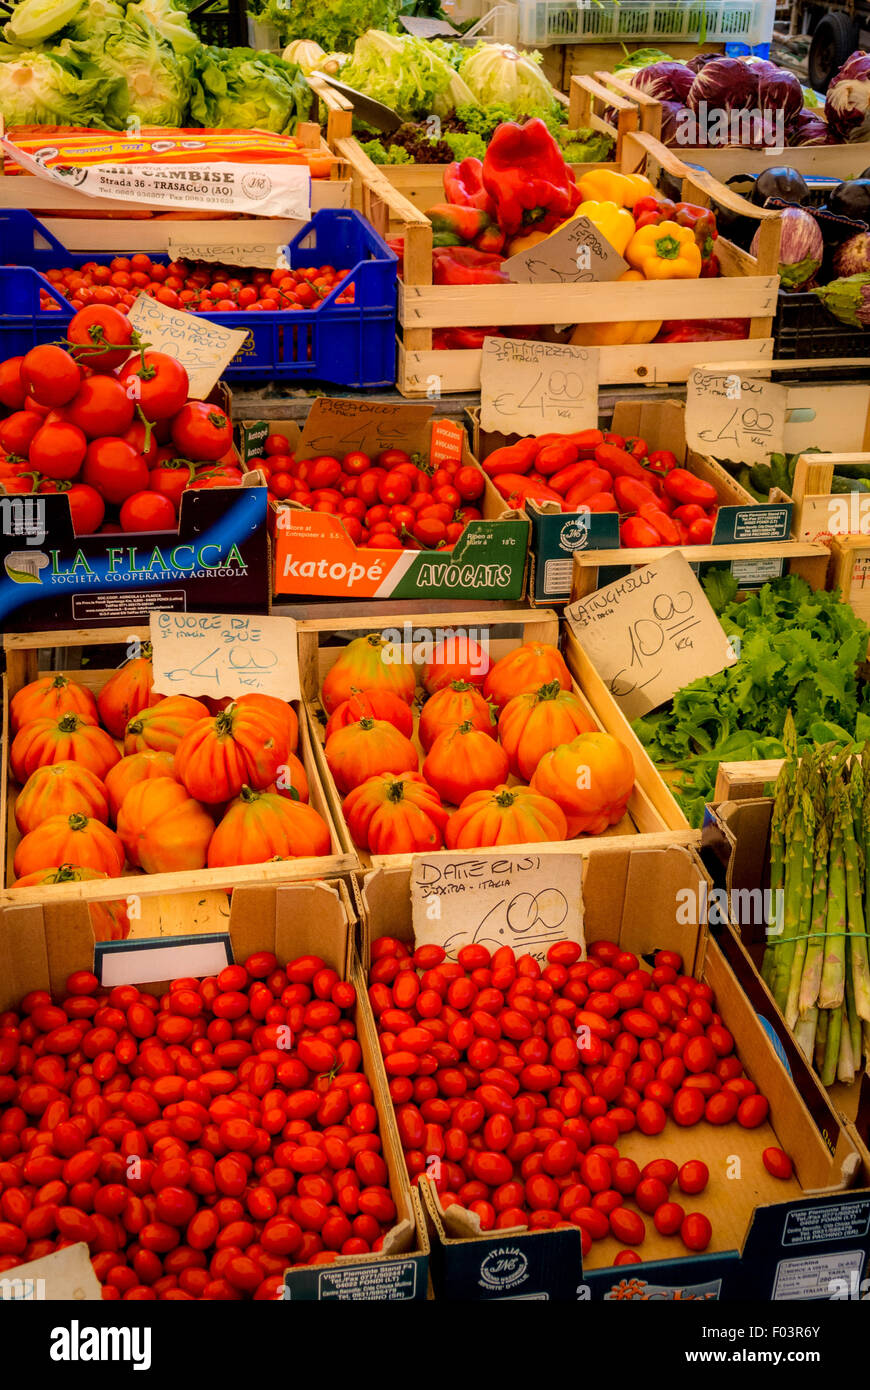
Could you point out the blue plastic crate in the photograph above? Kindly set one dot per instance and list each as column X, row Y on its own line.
column 347, row 344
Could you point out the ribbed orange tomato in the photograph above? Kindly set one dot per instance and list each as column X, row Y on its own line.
column 454, row 704
column 109, row 920
column 505, row 816
column 48, row 698
column 136, row 767
column 373, row 704
column 464, row 760
column 259, row 826
column 162, row 828
column 291, row 781
column 71, row 839
column 591, row 778
column 395, row 815
column 271, row 707
column 368, row 663
column 364, row 749
column 524, row 669
column 162, row 727
column 72, row 737
column 127, row 691
column 456, row 657
column 531, row 724
column 241, row 746
column 59, row 789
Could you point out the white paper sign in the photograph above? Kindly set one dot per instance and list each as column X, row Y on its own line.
column 732, row 416
column 531, row 388
column 220, row 245
column 144, row 962
column 66, row 1275
column 651, row 633
column 204, row 349
column 261, row 190
column 527, row 901
column 577, row 254
column 222, row 654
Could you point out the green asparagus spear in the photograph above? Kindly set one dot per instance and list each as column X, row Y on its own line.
column 805, row 1032
column 858, row 959
column 832, row 987
column 821, row 1039
column 832, row 1046
column 798, row 886
column 812, row 972
column 803, row 920
column 779, row 816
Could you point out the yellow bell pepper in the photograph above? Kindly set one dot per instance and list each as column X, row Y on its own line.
column 665, row 252
column 616, row 334
column 614, row 223
column 608, row 186
column 525, row 243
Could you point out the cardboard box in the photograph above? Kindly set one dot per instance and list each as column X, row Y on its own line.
column 315, row 555
column 557, row 535
column 38, row 952
column 652, row 811
column 772, row 1240
column 162, row 904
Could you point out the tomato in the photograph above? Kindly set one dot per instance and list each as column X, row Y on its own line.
column 687, row 1107
column 170, row 481
column 394, row 488
column 147, row 511
column 721, row 1108
column 650, row 1194
column 696, row 1231
column 92, row 334
column 201, row 432
column 668, row 1218
column 275, row 444
column 12, row 390
column 49, row 375
column 430, row 532
column 752, row 1112
column 156, row 382
column 368, row 485
column 627, row 1226
column 391, row 458
column 693, row 1176
column 17, row 430
column 322, row 472
column 101, row 407
column 114, row 469
column 58, row 450
column 469, row 482
column 87, row 508
column 355, row 463
column 662, row 1168
column 777, row 1163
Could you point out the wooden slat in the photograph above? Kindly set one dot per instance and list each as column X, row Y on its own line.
column 811, row 561
column 746, row 780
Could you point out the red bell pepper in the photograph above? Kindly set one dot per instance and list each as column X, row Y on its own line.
column 650, row 211
column 525, row 174
column 447, row 339
column 463, row 265
column 702, row 330
column 463, row 223
column 491, row 240
column 661, row 461
column 617, row 439
column 710, row 268
column 702, row 221
column 463, row 185
column 683, row 486
column 637, row 447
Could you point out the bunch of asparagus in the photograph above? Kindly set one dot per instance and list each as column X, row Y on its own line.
column 816, row 963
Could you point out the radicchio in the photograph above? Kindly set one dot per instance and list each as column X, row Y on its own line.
column 847, row 103
column 808, row 128
column 725, row 84
column 664, row 81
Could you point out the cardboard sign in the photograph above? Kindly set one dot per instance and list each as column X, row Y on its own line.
column 204, row 349
column 577, row 254
column 142, row 962
column 527, row 901
column 64, row 1276
column 338, row 425
column 735, row 417
column 261, row 190
column 651, row 633
column 224, row 654
column 220, row 244
column 532, row 388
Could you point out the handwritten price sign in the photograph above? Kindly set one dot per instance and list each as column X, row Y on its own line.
column 651, row 633
column 735, row 417
column 224, row 655
column 531, row 388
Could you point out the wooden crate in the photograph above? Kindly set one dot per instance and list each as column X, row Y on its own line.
column 798, row 557
column 820, row 514
column 171, row 903
column 746, row 289
column 850, row 572
column 652, row 811
column 746, row 780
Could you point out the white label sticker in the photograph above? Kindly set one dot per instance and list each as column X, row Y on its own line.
column 835, row 1276
column 222, row 655
column 139, row 963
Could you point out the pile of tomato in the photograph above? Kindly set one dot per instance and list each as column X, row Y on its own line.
column 199, row 1143
column 195, row 286
column 110, row 426
column 513, row 1084
column 390, row 501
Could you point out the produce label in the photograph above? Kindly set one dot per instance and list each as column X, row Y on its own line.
column 337, row 426
column 576, row 254
column 650, row 633
column 224, row 654
column 396, row 1281
column 261, row 190
column 849, row 1220
column 221, row 244
column 526, row 901
column 532, row 388
column 142, row 962
column 732, row 416
column 817, row 1276
column 204, row 349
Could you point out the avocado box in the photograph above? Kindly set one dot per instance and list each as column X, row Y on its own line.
column 314, row 555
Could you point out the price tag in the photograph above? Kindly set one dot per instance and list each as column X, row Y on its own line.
column 532, row 388
column 204, row 349
column 221, row 245
column 66, row 1276
column 527, row 901
column 736, row 417
column 335, row 424
column 651, row 633
column 224, row 655
column 577, row 254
